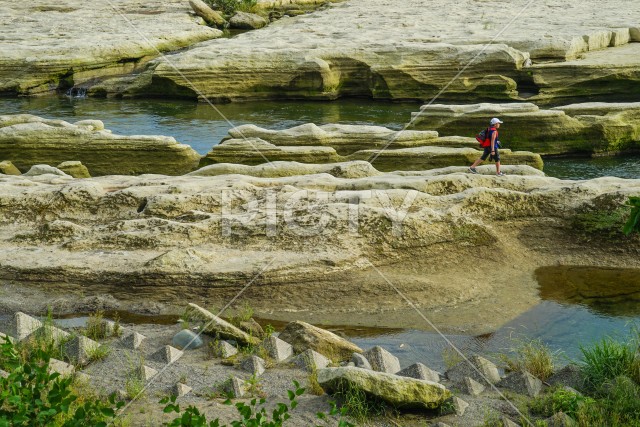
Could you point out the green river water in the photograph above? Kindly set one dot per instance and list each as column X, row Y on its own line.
column 564, row 322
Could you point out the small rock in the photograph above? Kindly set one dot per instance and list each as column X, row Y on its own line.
column 223, row 349
column 93, row 125
column 472, row 387
column 79, row 349
column 75, row 169
column 167, row 354
column 360, row 361
column 310, row 361
column 569, row 375
column 277, row 349
column 7, row 168
column 63, row 368
column 560, row 419
column 145, row 373
column 209, row 15
column 488, row 371
column 181, row 389
column 235, row 387
column 254, row 364
column 523, row 383
column 133, row 341
column 37, row 170
column 4, row 374
column 187, row 340
column 382, row 361
column 247, row 21
column 253, row 328
column 421, row 372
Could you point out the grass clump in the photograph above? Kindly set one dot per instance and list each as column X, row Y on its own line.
column 531, row 356
column 357, row 405
column 98, row 352
column 607, row 360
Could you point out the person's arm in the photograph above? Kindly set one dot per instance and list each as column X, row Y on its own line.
column 493, row 141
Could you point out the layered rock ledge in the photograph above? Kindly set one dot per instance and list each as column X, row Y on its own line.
column 308, row 241
column 589, row 128
column 27, row 140
column 388, row 150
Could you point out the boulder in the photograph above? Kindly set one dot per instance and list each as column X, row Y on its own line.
column 484, row 371
column 254, row 365
column 133, row 340
column 521, row 382
column 80, row 348
column 167, row 354
column 382, row 361
column 401, row 392
column 75, row 169
column 34, row 142
column 37, row 170
column 247, row 21
column 223, row 349
column 187, row 340
column 7, row 168
column 310, row 361
column 303, row 336
column 253, row 328
column 214, row 325
column 421, row 372
column 277, row 349
column 209, row 15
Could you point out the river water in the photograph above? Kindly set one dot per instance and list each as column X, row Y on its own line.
column 563, row 322
column 202, row 126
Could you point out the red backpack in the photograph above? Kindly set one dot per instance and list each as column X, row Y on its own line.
column 483, row 138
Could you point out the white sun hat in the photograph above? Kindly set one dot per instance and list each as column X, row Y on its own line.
column 496, row 121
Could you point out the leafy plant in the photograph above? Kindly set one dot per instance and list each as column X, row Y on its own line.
column 335, row 412
column 253, row 415
column 229, row 7
column 633, row 223
column 605, row 361
column 559, row 399
column 33, row 396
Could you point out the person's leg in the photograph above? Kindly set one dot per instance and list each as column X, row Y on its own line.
column 482, row 158
column 497, row 159
column 476, row 163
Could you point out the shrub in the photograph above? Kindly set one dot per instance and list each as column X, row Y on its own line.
column 633, row 223
column 559, row 400
column 531, row 356
column 33, row 396
column 605, row 361
column 96, row 326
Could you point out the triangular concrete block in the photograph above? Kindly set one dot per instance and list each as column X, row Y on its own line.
column 167, row 354
column 382, row 361
column 63, row 368
column 506, row 422
column 523, row 383
column 420, row 372
column 277, row 349
column 235, row 387
column 79, row 349
column 360, row 361
column 459, row 405
column 472, row 387
column 133, row 341
column 181, row 389
column 310, row 361
column 145, row 373
column 4, row 374
column 24, row 325
column 254, row 364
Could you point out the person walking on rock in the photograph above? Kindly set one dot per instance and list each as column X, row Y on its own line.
column 491, row 149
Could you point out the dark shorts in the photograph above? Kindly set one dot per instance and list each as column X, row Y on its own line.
column 487, row 153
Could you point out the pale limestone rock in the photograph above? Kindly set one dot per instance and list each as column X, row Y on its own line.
column 7, row 168
column 29, row 140
column 303, row 336
column 247, row 21
column 277, row 169
column 209, row 15
column 212, row 324
column 75, row 169
column 36, row 170
column 399, row 391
